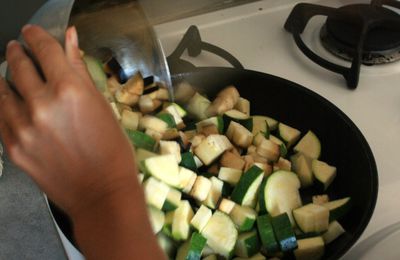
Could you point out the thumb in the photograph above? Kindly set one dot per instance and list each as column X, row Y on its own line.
column 73, row 53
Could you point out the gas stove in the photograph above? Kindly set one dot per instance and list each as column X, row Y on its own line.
column 254, row 36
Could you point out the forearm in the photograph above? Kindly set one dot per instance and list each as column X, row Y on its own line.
column 117, row 228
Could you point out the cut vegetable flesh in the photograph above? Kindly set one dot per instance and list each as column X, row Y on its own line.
column 323, row 173
column 247, row 244
column 333, row 232
column 215, row 192
column 181, row 222
column 157, row 219
column 211, row 148
column 172, row 201
column 165, row 168
column 245, row 192
column 282, row 193
column 301, row 165
column 201, row 218
column 259, row 124
column 309, row 145
column 338, row 208
column 288, row 134
column 187, row 178
column 238, row 117
column 216, row 120
column 155, row 192
column 312, row 218
column 221, row 234
column 310, row 248
column 230, row 175
column 243, row 217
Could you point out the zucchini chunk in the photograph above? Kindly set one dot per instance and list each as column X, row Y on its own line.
column 333, row 232
column 153, row 123
column 230, row 175
column 309, row 145
column 201, row 218
column 215, row 192
column 181, row 221
column 141, row 140
column 167, row 245
column 172, row 201
column 211, row 148
column 261, row 123
column 269, row 245
column 187, row 178
column 226, row 206
column 201, row 188
column 324, row 173
column 238, row 117
column 284, row 233
column 164, row 168
column 243, row 105
column 221, row 234
column 243, row 217
column 269, row 150
column 338, row 208
column 188, row 161
column 239, row 135
column 247, row 244
column 216, row 120
column 171, row 147
column 301, row 165
column 167, row 118
column 310, row 248
column 130, row 120
column 288, row 134
column 155, row 192
column 282, row 193
column 245, row 192
column 197, row 106
column 312, row 218
column 192, row 249
column 157, row 219
column 282, row 146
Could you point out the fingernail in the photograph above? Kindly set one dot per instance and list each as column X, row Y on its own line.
column 26, row 27
column 73, row 36
column 11, row 43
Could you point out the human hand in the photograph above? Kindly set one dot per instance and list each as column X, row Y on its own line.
column 62, row 132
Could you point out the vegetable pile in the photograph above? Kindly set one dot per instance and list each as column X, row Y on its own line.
column 220, row 182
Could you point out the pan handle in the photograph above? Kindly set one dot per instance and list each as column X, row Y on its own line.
column 192, row 42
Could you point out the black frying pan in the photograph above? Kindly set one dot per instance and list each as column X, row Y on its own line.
column 343, row 145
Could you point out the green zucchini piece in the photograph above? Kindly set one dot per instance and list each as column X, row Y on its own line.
column 197, row 106
column 247, row 244
column 259, row 124
column 230, row 175
column 181, row 222
column 238, row 117
column 333, row 232
column 216, row 120
column 215, row 192
column 188, row 161
column 221, row 234
column 155, row 192
column 167, row 118
column 267, row 235
column 288, row 134
column 192, row 249
column 282, row 146
column 309, row 145
column 163, row 167
column 141, row 140
column 261, row 198
column 157, row 219
column 167, row 228
column 301, row 164
column 282, row 193
column 284, row 232
column 167, row 245
column 201, row 218
column 310, row 248
column 324, row 173
column 96, row 71
column 173, row 200
column 312, row 218
column 245, row 192
column 243, row 217
column 338, row 208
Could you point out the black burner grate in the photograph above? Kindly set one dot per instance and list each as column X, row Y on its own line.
column 360, row 33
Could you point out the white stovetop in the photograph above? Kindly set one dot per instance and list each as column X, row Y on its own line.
column 254, row 34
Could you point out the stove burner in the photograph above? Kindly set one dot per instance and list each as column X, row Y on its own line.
column 381, row 44
column 360, row 33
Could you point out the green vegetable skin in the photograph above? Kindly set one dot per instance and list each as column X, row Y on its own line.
column 141, row 140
